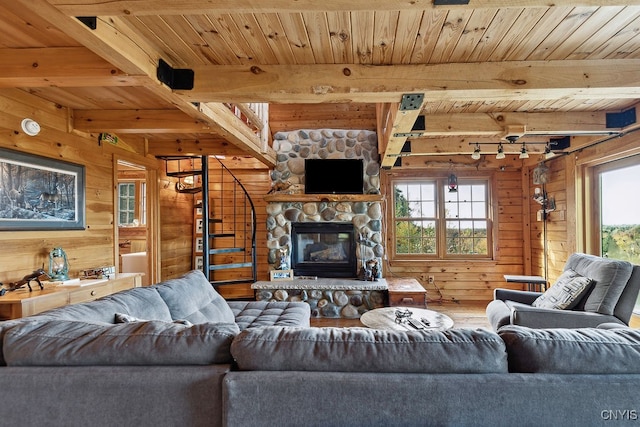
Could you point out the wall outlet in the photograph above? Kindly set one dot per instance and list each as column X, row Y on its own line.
column 432, row 280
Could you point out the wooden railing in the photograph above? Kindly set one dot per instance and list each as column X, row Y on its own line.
column 256, row 116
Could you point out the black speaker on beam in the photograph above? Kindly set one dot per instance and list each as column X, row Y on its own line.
column 559, row 144
column 175, row 78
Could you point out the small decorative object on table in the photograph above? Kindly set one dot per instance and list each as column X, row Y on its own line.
column 402, row 314
column 37, row 275
column 277, row 275
column 283, row 259
column 58, row 265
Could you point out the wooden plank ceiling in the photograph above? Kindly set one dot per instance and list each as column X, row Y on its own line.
column 486, row 70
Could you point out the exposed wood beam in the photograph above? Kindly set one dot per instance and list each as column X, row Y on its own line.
column 489, row 81
column 137, row 121
column 449, row 134
column 185, row 7
column 115, row 42
column 61, row 67
column 402, row 123
column 499, row 124
column 193, row 147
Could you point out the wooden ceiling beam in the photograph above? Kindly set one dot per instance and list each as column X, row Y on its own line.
column 448, row 134
column 198, row 7
column 501, row 124
column 118, row 44
column 137, row 121
column 487, row 81
column 192, row 147
column 61, row 67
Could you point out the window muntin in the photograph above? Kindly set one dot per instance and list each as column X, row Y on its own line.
column 132, row 203
column 430, row 221
column 126, row 202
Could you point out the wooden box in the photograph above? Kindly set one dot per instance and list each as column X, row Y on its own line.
column 406, row 292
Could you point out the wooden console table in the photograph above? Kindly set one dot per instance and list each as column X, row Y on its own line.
column 22, row 303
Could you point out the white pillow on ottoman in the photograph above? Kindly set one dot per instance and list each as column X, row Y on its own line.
column 565, row 293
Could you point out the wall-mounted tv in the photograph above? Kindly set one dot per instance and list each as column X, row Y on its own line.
column 333, row 176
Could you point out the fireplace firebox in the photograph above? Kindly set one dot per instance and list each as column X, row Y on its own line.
column 323, row 249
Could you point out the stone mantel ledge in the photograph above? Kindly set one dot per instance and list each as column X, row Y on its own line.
column 324, row 284
column 283, row 197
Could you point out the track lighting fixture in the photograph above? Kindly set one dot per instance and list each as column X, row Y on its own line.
column 500, row 154
column 476, row 152
column 548, row 153
column 523, row 153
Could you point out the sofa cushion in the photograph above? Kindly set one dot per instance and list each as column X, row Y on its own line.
column 572, row 351
column 369, row 350
column 191, row 297
column 254, row 314
column 610, row 278
column 144, row 303
column 565, row 293
column 73, row 343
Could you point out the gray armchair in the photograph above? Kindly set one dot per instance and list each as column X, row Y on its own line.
column 610, row 298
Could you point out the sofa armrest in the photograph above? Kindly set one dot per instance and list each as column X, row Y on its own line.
column 523, row 297
column 534, row 317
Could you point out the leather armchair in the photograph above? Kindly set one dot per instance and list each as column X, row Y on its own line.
column 513, row 307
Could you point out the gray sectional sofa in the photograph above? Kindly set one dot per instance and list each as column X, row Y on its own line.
column 177, row 354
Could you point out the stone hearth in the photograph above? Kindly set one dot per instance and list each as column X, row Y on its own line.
column 335, row 298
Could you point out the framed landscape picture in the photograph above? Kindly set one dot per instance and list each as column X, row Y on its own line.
column 39, row 193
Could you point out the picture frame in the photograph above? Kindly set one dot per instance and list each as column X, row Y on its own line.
column 198, row 262
column 280, row 275
column 40, row 193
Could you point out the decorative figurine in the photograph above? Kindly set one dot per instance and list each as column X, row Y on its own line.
column 37, row 275
column 283, row 259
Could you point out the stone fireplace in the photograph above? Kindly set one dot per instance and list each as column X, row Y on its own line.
column 291, row 207
column 327, row 236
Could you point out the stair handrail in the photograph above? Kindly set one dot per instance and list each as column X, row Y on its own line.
column 253, row 219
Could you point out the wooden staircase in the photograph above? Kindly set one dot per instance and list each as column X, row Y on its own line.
column 228, row 218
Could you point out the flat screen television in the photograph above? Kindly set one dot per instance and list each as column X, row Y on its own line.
column 333, row 176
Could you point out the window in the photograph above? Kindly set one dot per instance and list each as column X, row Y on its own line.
column 431, row 221
column 619, row 211
column 132, row 203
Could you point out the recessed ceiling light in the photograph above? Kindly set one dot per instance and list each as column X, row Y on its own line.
column 30, row 127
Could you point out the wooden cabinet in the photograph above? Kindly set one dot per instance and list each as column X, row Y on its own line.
column 22, row 303
column 406, row 292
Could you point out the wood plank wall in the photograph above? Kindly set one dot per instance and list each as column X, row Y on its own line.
column 23, row 251
column 555, row 229
column 467, row 280
column 176, row 229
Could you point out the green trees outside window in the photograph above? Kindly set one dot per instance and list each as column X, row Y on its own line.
column 432, row 221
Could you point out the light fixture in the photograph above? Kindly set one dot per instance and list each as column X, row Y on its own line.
column 548, row 153
column 453, row 183
column 30, row 127
column 476, row 152
column 58, row 265
column 523, row 153
column 500, row 154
